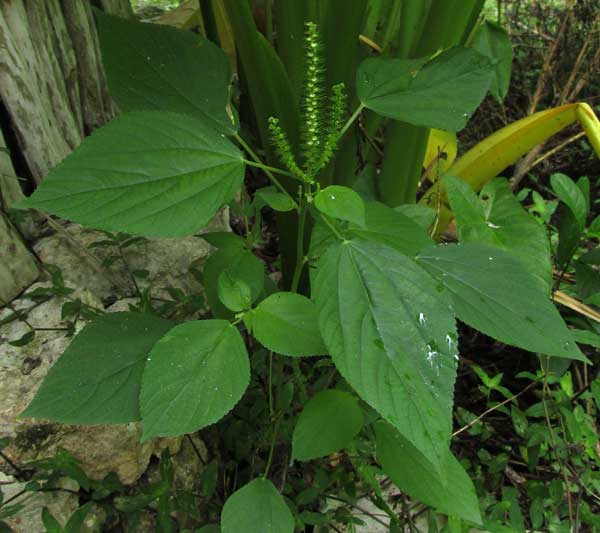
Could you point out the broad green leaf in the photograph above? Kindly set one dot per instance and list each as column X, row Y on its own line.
column 571, row 195
column 494, row 293
column 240, row 264
column 389, row 327
column 328, row 423
column 155, row 67
column 274, row 199
column 98, row 377
column 194, row 376
column 493, row 41
column 382, row 224
column 442, row 93
column 256, row 508
column 451, row 492
column 234, row 293
column 222, row 239
column 496, row 218
column 342, row 203
column 286, row 323
column 421, row 215
column 389, row 226
column 150, row 172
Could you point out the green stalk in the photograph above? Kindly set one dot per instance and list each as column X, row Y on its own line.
column 405, row 147
column 268, row 85
column 340, row 25
column 290, row 19
column 351, row 120
column 268, row 170
column 392, row 26
column 426, row 27
column 299, row 246
column 271, row 95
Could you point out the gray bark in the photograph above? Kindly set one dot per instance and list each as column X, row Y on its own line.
column 51, row 78
column 10, row 190
column 117, row 7
column 54, row 90
column 18, row 267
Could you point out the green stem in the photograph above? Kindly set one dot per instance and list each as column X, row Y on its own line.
column 264, row 167
column 299, row 247
column 274, row 170
column 271, row 406
column 352, row 118
column 332, row 227
column 272, row 448
column 392, row 25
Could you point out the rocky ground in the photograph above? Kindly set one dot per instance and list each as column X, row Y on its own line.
column 101, row 279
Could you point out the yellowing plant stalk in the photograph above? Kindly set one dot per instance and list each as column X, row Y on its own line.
column 500, row 150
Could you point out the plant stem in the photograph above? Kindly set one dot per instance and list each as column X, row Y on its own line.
column 299, row 246
column 274, row 170
column 351, row 120
column 271, row 407
column 272, row 448
column 266, row 169
column 332, row 228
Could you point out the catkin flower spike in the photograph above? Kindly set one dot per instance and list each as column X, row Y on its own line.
column 335, row 123
column 283, row 149
column 312, row 98
column 322, row 120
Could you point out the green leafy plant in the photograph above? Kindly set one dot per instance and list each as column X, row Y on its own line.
column 365, row 282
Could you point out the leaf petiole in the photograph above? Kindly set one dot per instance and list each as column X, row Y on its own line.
column 349, row 122
column 267, row 170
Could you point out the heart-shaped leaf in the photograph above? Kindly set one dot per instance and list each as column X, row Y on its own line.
column 286, row 323
column 256, row 508
column 156, row 67
column 328, row 423
column 97, row 379
column 150, row 172
column 194, row 376
column 442, row 93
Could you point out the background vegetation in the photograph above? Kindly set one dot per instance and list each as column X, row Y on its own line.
column 529, row 442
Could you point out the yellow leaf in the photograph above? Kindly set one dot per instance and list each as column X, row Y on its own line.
column 441, row 153
column 491, row 156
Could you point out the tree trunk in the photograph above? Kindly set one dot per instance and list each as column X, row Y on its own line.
column 18, row 267
column 53, row 92
column 52, row 84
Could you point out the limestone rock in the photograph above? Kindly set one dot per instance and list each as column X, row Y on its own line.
column 61, row 504
column 167, row 261
column 101, row 449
